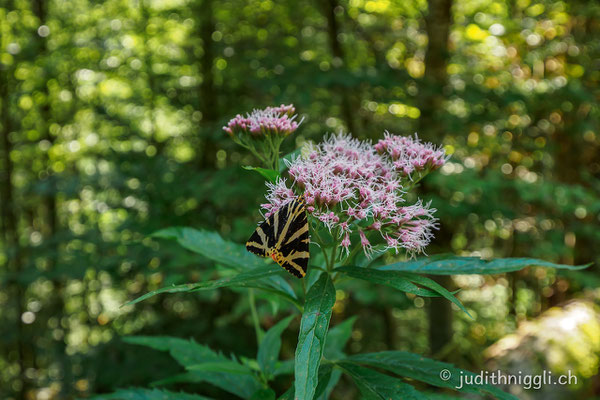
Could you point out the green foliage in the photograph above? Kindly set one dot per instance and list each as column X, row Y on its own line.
column 422, row 369
column 212, row 246
column 337, row 338
column 326, row 381
column 374, row 385
column 450, row 265
column 226, row 367
column 203, row 364
column 244, row 279
column 148, row 394
column 404, row 281
column 311, row 339
column 268, row 350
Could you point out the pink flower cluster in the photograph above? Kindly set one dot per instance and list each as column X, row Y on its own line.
column 350, row 187
column 410, row 155
column 279, row 121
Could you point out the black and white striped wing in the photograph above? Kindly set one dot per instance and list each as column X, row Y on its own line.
column 262, row 239
column 284, row 236
column 293, row 239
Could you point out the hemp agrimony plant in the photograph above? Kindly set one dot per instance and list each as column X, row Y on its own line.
column 354, row 193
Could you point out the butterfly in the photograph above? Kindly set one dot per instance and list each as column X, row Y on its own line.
column 284, row 237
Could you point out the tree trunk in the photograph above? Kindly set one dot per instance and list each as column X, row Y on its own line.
column 40, row 10
column 333, row 31
column 431, row 97
column 56, row 306
column 431, row 127
column 10, row 226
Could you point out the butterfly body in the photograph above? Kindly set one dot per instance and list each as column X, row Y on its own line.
column 284, row 237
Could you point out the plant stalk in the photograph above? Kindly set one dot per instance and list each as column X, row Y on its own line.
column 255, row 320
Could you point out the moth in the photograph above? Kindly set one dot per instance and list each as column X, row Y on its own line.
column 284, row 237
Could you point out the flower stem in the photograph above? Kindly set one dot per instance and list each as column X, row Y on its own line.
column 276, row 146
column 333, row 257
column 321, row 244
column 252, row 150
column 352, row 254
column 273, row 152
column 255, row 316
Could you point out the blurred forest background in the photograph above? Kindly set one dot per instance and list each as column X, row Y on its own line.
column 110, row 126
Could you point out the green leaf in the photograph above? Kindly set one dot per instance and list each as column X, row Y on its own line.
column 189, row 353
column 184, row 377
column 212, row 246
column 453, row 265
column 311, row 340
column 268, row 351
column 325, row 371
column 269, row 174
column 285, row 367
column 426, row 370
column 374, row 385
column 330, row 383
column 147, row 394
column 185, row 352
column 215, row 248
column 433, row 285
column 337, row 337
column 402, row 281
column 226, row 366
column 245, row 279
column 384, row 278
column 328, row 378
